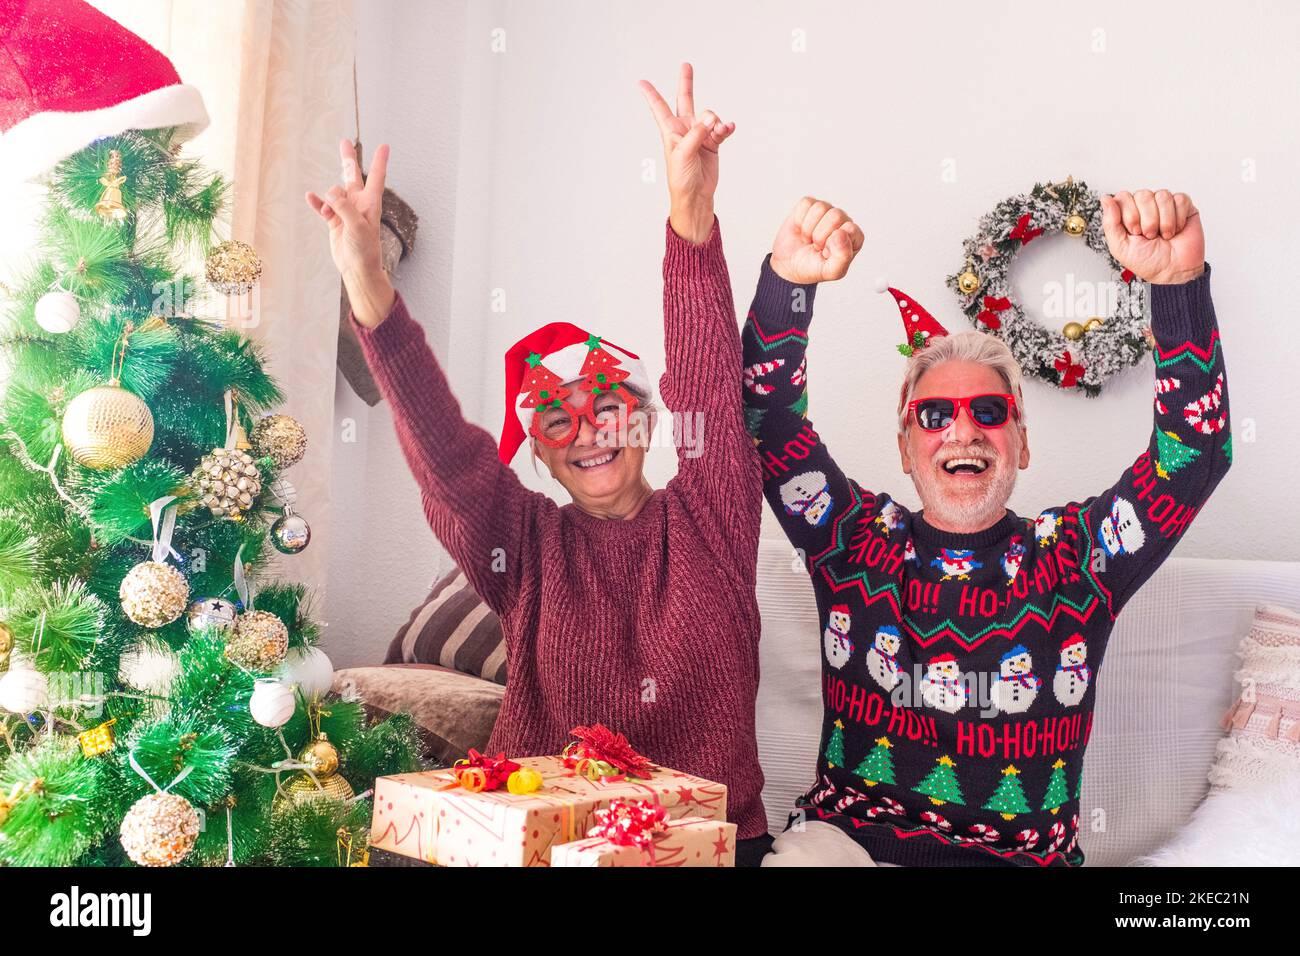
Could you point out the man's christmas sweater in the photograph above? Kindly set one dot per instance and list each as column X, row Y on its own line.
column 959, row 671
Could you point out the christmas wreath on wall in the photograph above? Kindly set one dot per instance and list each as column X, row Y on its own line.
column 1081, row 355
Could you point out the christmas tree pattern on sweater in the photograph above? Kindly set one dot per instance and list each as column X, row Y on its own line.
column 959, row 671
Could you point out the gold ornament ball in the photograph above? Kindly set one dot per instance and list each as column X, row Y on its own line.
column 107, row 427
column 233, row 267
column 1075, row 225
column 1073, row 331
column 260, row 641
column 6, row 639
column 1093, row 324
column 301, row 789
column 160, row 830
column 281, row 438
column 227, row 482
column 968, row 282
column 154, row 594
column 321, row 756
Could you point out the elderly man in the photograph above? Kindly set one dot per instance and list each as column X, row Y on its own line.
column 962, row 643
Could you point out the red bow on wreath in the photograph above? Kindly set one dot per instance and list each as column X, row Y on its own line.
column 601, row 754
column 992, row 306
column 1022, row 230
column 477, row 773
column 629, row 823
column 1070, row 372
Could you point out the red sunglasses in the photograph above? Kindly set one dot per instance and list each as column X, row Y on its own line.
column 987, row 411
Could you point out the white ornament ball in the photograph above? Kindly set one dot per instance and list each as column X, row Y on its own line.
column 272, row 703
column 310, row 668
column 23, row 690
column 154, row 594
column 159, row 830
column 58, row 312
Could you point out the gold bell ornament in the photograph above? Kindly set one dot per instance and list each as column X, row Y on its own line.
column 110, row 207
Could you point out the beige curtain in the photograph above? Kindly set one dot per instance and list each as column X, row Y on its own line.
column 276, row 78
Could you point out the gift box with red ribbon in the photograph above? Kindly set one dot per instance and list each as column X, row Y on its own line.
column 472, row 814
column 637, row 833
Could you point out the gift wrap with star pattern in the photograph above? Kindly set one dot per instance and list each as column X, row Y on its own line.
column 417, row 815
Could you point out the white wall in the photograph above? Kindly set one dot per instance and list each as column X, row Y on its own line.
column 526, row 167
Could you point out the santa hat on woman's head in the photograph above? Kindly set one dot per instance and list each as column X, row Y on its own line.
column 70, row 75
column 551, row 356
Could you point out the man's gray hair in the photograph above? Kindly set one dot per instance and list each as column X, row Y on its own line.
column 970, row 345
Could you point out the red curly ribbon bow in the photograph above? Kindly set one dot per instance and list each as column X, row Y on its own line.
column 477, row 772
column 630, row 823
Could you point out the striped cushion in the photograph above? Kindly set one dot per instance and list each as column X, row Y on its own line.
column 453, row 628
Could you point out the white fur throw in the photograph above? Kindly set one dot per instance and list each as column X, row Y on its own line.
column 1241, row 827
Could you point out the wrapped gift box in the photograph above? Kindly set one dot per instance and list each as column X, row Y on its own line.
column 688, row 841
column 417, row 816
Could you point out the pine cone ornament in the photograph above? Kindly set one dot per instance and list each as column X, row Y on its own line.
column 228, row 482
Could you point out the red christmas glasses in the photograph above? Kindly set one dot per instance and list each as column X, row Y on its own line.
column 557, row 424
column 987, row 411
column 555, row 421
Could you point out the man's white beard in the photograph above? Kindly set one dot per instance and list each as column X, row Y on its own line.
column 970, row 513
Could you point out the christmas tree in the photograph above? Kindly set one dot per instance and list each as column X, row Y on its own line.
column 878, row 765
column 164, row 700
column 600, row 371
column 835, row 746
column 1058, row 789
column 1009, row 798
column 941, row 785
column 1173, row 454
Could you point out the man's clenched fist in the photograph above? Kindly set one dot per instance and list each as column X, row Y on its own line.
column 1156, row 235
column 816, row 243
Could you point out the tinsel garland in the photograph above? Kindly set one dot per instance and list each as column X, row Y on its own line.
column 1084, row 363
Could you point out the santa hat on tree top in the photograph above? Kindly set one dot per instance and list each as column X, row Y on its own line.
column 70, row 75
column 539, row 363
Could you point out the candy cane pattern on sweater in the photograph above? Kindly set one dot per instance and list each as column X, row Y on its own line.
column 800, row 374
column 1197, row 412
column 761, row 368
column 1163, row 387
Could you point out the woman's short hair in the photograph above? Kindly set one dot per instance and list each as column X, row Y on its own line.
column 970, row 345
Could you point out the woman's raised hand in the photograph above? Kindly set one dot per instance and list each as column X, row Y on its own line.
column 351, row 212
column 691, row 155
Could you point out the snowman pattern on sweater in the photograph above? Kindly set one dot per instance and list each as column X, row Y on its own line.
column 942, row 743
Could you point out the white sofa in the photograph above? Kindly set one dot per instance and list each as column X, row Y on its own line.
column 1165, row 685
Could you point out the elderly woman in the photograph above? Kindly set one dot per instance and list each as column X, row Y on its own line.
column 631, row 606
